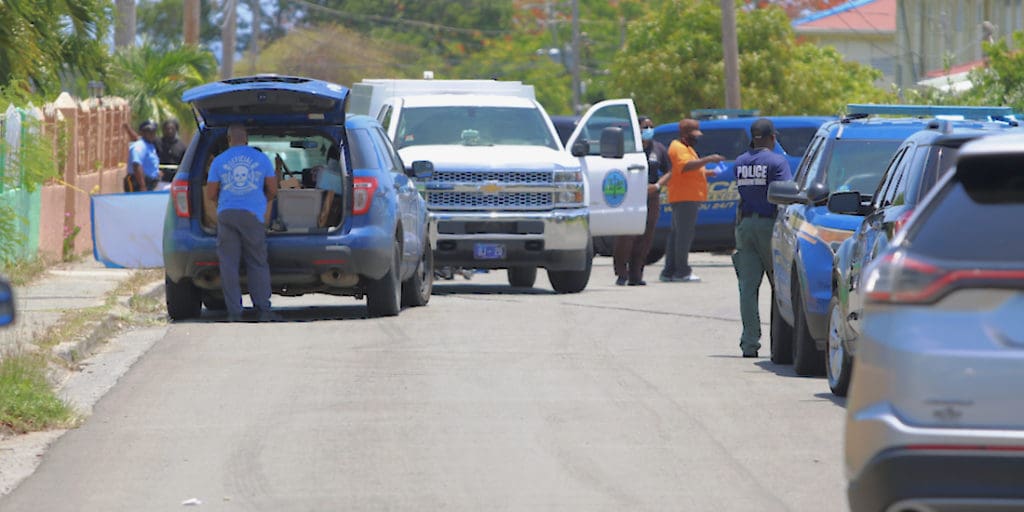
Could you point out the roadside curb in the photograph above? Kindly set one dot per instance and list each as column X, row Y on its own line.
column 74, row 351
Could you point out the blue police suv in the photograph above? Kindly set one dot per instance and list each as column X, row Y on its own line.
column 365, row 235
column 849, row 154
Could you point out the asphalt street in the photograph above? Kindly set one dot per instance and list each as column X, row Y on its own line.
column 489, row 398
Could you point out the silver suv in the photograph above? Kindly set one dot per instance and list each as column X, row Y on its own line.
column 935, row 420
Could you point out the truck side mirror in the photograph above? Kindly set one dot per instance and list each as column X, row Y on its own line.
column 422, row 169
column 817, row 193
column 580, row 148
column 613, row 143
column 785, row 193
column 6, row 303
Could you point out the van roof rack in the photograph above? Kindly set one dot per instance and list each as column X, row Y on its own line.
column 952, row 112
column 707, row 114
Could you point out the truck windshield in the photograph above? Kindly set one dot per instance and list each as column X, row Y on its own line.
column 473, row 126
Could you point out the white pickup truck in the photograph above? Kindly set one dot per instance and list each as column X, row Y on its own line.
column 504, row 192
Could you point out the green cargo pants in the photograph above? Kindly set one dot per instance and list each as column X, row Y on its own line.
column 752, row 260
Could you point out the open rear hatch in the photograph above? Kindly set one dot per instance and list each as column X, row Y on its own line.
column 268, row 100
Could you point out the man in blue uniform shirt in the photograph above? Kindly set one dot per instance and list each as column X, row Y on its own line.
column 143, row 161
column 242, row 180
column 755, row 169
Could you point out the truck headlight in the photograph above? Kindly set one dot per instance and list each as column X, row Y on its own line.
column 570, row 176
column 569, row 195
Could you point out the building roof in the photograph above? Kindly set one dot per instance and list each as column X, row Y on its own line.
column 876, row 16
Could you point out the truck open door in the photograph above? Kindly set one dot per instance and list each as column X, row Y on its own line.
column 617, row 185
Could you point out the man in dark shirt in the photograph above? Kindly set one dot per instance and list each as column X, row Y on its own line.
column 630, row 252
column 755, row 170
column 170, row 148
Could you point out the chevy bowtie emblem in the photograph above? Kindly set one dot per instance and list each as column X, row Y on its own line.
column 490, row 188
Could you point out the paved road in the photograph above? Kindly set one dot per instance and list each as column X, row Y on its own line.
column 614, row 399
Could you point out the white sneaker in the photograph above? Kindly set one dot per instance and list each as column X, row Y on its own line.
column 692, row 278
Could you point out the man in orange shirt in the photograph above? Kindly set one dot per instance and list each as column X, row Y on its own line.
column 687, row 189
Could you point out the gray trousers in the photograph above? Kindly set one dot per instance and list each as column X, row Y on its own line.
column 752, row 261
column 677, row 247
column 240, row 234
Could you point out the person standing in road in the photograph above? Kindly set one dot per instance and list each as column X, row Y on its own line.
column 687, row 190
column 242, row 181
column 143, row 171
column 630, row 252
column 755, row 170
column 170, row 148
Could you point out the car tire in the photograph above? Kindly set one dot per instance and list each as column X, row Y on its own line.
column 838, row 363
column 184, row 300
column 781, row 337
column 522, row 277
column 383, row 296
column 572, row 281
column 808, row 361
column 214, row 302
column 417, row 289
column 654, row 255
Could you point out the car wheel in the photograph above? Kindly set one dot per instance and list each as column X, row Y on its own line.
column 522, row 277
column 416, row 290
column 807, row 360
column 184, row 301
column 838, row 364
column 781, row 337
column 654, row 255
column 572, row 281
column 383, row 295
column 214, row 302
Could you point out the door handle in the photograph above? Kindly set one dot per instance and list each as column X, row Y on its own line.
column 635, row 167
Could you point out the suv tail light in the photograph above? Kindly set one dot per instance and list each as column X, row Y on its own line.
column 179, row 195
column 901, row 221
column 899, row 278
column 362, row 194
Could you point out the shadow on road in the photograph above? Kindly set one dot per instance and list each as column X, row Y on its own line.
column 783, row 370
column 837, row 400
column 289, row 315
column 443, row 288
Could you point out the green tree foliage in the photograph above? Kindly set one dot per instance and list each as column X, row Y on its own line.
column 325, row 52
column 673, row 64
column 1001, row 82
column 43, row 40
column 160, row 22
column 152, row 79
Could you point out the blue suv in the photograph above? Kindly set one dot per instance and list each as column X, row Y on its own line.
column 370, row 240
column 849, row 154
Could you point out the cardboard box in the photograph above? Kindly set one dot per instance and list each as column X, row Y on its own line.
column 299, row 208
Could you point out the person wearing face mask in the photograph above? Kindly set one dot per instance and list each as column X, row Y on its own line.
column 630, row 252
column 687, row 189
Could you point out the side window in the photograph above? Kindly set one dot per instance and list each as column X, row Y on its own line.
column 812, row 164
column 611, row 115
column 361, row 148
column 805, row 162
column 883, row 196
column 384, row 116
column 388, row 154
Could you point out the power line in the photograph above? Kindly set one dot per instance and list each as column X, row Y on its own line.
column 399, row 21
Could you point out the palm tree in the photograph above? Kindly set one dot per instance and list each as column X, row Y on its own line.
column 152, row 80
column 42, row 39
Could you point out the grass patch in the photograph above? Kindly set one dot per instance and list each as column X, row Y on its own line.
column 71, row 325
column 138, row 279
column 23, row 272
column 27, row 401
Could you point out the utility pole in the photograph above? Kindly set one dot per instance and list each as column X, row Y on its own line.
column 124, row 28
column 191, row 22
column 227, row 37
column 730, row 49
column 576, row 54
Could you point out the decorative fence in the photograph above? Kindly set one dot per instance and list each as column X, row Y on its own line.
column 90, row 148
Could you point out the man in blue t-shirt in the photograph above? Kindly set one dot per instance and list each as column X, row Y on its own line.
column 755, row 169
column 143, row 162
column 242, row 181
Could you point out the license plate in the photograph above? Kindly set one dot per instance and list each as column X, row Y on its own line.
column 489, row 251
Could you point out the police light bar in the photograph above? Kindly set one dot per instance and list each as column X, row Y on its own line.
column 947, row 111
column 722, row 113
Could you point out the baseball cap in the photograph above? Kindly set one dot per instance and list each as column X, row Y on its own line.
column 762, row 128
column 148, row 125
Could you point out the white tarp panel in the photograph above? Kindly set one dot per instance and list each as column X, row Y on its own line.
column 128, row 229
